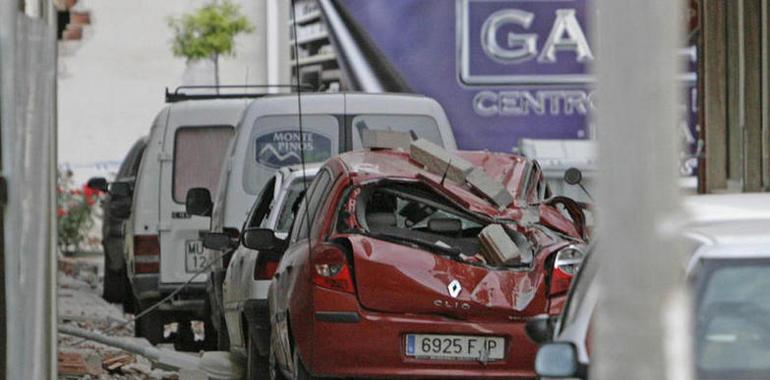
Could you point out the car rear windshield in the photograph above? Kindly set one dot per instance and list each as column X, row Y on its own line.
column 414, row 214
column 276, row 142
column 198, row 156
column 421, row 125
column 733, row 319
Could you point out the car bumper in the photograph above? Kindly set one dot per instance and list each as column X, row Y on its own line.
column 350, row 342
column 145, row 286
column 148, row 289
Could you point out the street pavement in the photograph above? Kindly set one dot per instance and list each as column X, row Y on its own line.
column 80, row 305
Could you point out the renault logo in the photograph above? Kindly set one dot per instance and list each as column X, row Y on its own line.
column 454, row 288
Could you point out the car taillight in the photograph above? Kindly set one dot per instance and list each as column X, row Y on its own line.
column 565, row 266
column 330, row 269
column 265, row 267
column 146, row 254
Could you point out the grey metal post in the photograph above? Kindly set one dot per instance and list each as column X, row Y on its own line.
column 641, row 318
column 8, row 12
column 277, row 57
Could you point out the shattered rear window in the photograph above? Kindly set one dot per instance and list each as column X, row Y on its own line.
column 414, row 214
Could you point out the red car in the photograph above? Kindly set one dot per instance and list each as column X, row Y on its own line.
column 394, row 273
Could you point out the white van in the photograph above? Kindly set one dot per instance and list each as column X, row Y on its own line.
column 187, row 144
column 268, row 138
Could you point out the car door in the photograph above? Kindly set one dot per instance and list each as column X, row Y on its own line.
column 286, row 276
column 238, row 273
column 192, row 157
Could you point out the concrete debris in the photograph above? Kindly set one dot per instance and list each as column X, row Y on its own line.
column 491, row 189
column 74, row 364
column 81, row 306
column 114, row 363
column 438, row 160
column 497, row 247
column 374, row 139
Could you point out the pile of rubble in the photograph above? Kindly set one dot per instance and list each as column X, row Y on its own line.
column 81, row 306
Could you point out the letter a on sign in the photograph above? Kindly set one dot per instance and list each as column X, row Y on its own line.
column 566, row 34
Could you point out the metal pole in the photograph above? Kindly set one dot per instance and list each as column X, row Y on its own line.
column 277, row 57
column 8, row 13
column 639, row 330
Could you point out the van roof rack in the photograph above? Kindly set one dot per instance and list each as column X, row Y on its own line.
column 195, row 92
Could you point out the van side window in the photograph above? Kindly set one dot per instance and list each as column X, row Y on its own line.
column 313, row 198
column 134, row 168
column 198, row 156
column 262, row 206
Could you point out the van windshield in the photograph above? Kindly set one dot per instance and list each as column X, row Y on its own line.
column 275, row 142
column 198, row 156
column 423, row 126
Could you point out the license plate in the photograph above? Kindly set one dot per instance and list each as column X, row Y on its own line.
column 455, row 347
column 195, row 259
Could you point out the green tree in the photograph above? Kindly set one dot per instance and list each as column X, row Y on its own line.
column 209, row 32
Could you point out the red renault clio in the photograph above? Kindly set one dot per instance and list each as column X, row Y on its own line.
column 419, row 263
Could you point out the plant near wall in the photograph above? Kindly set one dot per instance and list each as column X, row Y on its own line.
column 209, row 32
column 74, row 213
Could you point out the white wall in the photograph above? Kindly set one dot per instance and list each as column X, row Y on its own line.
column 111, row 82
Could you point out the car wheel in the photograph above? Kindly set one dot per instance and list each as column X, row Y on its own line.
column 257, row 366
column 299, row 371
column 273, row 371
column 218, row 321
column 150, row 327
column 114, row 283
column 129, row 305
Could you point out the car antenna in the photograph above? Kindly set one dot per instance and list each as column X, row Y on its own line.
column 299, row 114
column 443, row 177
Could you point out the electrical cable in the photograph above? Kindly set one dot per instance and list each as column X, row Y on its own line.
column 162, row 300
column 299, row 113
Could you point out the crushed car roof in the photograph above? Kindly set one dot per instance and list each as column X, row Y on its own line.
column 507, row 169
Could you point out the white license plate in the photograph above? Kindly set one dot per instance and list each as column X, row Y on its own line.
column 195, row 259
column 455, row 347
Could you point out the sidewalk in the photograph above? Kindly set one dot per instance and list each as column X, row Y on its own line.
column 80, row 305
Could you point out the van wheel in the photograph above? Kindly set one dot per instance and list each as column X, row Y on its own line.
column 129, row 299
column 257, row 366
column 150, row 327
column 299, row 371
column 115, row 284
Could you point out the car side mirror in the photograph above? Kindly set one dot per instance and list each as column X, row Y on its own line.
column 198, row 202
column 217, row 241
column 120, row 189
column 559, row 360
column 573, row 176
column 540, row 328
column 98, row 183
column 261, row 239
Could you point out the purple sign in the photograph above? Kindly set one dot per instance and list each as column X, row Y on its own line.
column 502, row 69
column 523, row 42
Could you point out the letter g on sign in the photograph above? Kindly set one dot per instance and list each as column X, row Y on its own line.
column 521, row 47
